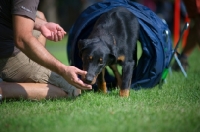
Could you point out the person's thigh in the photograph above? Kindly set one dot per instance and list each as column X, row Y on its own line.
column 20, row 68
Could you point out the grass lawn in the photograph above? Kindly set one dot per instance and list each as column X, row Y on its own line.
column 174, row 108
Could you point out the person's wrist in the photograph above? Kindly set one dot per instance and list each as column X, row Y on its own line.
column 60, row 69
column 39, row 24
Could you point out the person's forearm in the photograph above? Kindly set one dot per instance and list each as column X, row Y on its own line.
column 37, row 52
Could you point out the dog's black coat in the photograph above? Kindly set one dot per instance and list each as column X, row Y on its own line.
column 113, row 39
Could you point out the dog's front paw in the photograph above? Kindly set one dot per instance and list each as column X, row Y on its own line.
column 124, row 93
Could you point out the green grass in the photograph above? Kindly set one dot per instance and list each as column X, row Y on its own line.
column 58, row 49
column 174, row 108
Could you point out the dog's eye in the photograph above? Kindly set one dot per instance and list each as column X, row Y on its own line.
column 90, row 58
column 101, row 61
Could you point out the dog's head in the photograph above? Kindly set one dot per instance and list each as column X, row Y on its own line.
column 95, row 55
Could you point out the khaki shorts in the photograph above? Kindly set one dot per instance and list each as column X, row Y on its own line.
column 19, row 68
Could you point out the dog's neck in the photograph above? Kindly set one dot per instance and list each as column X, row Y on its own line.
column 103, row 34
column 113, row 37
column 109, row 40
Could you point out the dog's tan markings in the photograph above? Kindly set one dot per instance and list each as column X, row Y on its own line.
column 100, row 60
column 117, row 74
column 121, row 58
column 102, row 87
column 90, row 57
column 114, row 41
column 94, row 80
column 124, row 93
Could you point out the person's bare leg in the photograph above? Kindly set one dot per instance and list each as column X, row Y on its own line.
column 33, row 91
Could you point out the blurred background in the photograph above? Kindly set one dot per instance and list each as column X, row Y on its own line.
column 65, row 12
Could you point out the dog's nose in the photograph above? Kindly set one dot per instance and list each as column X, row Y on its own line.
column 89, row 79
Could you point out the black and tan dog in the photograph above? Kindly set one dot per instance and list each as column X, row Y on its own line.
column 112, row 40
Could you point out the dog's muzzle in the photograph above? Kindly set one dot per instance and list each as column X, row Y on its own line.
column 90, row 79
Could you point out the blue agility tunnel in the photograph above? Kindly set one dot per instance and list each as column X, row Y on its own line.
column 154, row 36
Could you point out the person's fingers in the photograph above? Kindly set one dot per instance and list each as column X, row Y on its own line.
column 84, row 84
column 81, row 85
column 63, row 34
column 55, row 37
column 72, row 73
column 81, row 72
column 52, row 36
column 58, row 28
column 60, row 36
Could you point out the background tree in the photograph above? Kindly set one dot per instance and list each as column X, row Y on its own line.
column 64, row 12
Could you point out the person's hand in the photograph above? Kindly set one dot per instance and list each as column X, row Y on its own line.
column 52, row 31
column 71, row 75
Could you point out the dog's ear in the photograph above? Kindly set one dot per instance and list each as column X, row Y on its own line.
column 82, row 43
